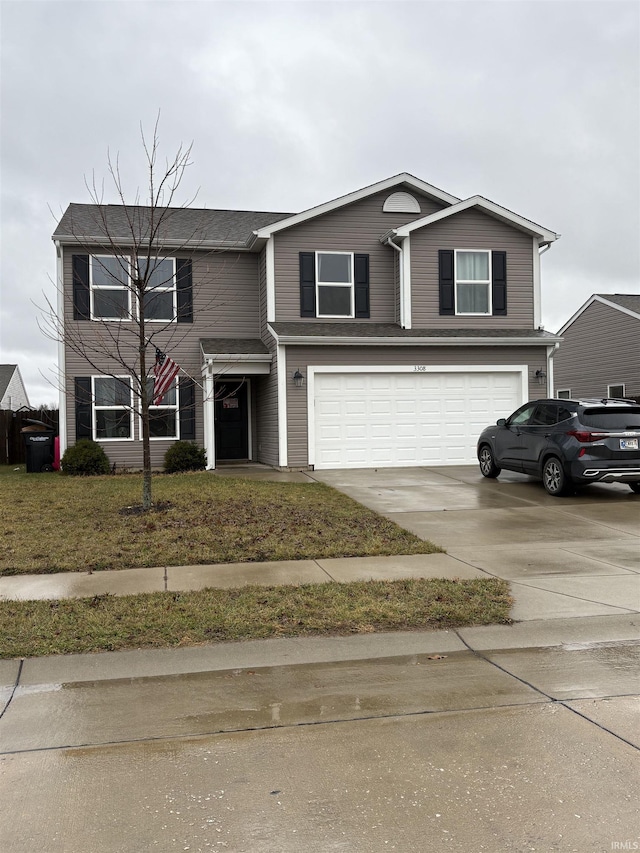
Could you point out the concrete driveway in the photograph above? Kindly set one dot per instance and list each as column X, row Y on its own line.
column 564, row 557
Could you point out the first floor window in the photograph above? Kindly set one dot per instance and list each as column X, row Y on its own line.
column 564, row 394
column 112, row 407
column 334, row 282
column 163, row 419
column 473, row 282
column 110, row 290
column 616, row 391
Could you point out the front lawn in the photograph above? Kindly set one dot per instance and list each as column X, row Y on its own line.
column 51, row 523
column 170, row 619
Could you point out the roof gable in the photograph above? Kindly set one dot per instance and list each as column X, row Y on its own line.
column 403, row 179
column 489, row 207
column 626, row 303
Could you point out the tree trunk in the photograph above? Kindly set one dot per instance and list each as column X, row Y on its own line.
column 144, row 406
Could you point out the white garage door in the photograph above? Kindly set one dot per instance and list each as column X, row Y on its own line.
column 364, row 420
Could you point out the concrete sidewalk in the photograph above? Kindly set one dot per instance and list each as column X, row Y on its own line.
column 562, row 582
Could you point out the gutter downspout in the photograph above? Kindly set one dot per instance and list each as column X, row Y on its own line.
column 389, row 242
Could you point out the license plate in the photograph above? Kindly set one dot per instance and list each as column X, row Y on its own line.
column 628, row 444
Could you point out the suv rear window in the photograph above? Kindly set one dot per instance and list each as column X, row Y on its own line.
column 612, row 418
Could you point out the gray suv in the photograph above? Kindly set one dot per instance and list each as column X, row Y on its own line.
column 567, row 443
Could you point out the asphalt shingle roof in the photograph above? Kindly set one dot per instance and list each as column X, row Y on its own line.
column 237, row 346
column 391, row 330
column 85, row 221
column 6, row 373
column 625, row 300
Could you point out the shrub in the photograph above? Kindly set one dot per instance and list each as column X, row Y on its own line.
column 85, row 458
column 184, row 456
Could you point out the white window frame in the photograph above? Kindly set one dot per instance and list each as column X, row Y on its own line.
column 175, row 406
column 126, row 287
column 95, row 408
column 173, row 288
column 478, row 282
column 563, row 394
column 350, row 285
column 616, row 385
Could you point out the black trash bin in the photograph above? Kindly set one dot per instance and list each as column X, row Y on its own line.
column 40, row 447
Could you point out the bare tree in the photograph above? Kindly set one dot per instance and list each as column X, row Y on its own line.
column 129, row 245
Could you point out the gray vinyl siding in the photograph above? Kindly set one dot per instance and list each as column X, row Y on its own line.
column 266, row 444
column 225, row 304
column 262, row 291
column 600, row 348
column 471, row 229
column 303, row 356
column 354, row 228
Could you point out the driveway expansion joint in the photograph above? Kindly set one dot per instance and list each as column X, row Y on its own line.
column 15, row 687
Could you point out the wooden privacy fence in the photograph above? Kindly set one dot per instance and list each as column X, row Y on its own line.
column 12, row 446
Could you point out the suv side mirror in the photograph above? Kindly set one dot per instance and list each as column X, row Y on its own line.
column 501, row 422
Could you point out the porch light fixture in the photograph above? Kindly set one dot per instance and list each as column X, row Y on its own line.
column 541, row 376
column 298, row 379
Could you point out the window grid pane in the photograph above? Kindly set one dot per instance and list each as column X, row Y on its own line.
column 334, row 301
column 473, row 299
column 472, row 266
column 334, row 268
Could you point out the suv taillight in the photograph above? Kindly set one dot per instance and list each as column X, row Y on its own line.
column 586, row 437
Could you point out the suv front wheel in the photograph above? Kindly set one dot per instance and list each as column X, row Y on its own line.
column 553, row 477
column 488, row 467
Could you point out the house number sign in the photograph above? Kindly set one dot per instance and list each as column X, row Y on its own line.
column 420, row 368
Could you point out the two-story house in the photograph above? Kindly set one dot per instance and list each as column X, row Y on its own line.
column 383, row 328
column 600, row 351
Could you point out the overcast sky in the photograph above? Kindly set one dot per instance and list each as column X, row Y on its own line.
column 534, row 105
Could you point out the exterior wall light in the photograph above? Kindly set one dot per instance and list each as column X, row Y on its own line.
column 298, row 379
column 541, row 376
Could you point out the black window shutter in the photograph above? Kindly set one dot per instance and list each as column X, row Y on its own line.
column 361, row 281
column 499, row 283
column 307, row 284
column 187, row 406
column 81, row 300
column 84, row 422
column 447, row 283
column 184, row 290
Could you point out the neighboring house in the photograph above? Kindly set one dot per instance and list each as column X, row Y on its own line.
column 12, row 391
column 600, row 352
column 383, row 328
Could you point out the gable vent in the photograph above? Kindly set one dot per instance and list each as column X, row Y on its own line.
column 401, row 203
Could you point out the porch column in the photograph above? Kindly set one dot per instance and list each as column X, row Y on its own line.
column 209, row 419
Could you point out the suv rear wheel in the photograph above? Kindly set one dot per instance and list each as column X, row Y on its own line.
column 553, row 477
column 635, row 487
column 488, row 467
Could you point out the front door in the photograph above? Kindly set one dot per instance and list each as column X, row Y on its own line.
column 232, row 421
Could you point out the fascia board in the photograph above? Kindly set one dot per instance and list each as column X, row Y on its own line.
column 334, row 204
column 604, row 301
column 234, row 356
column 294, row 340
column 487, row 206
column 187, row 245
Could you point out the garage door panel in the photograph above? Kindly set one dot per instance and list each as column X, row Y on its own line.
column 401, row 419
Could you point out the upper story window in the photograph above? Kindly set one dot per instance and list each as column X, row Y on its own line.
column 473, row 282
column 110, row 289
column 112, row 408
column 334, row 282
column 334, row 285
column 160, row 296
column 102, row 287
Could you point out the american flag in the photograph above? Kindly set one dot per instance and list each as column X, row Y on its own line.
column 165, row 371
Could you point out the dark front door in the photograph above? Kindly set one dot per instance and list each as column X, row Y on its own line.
column 232, row 422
